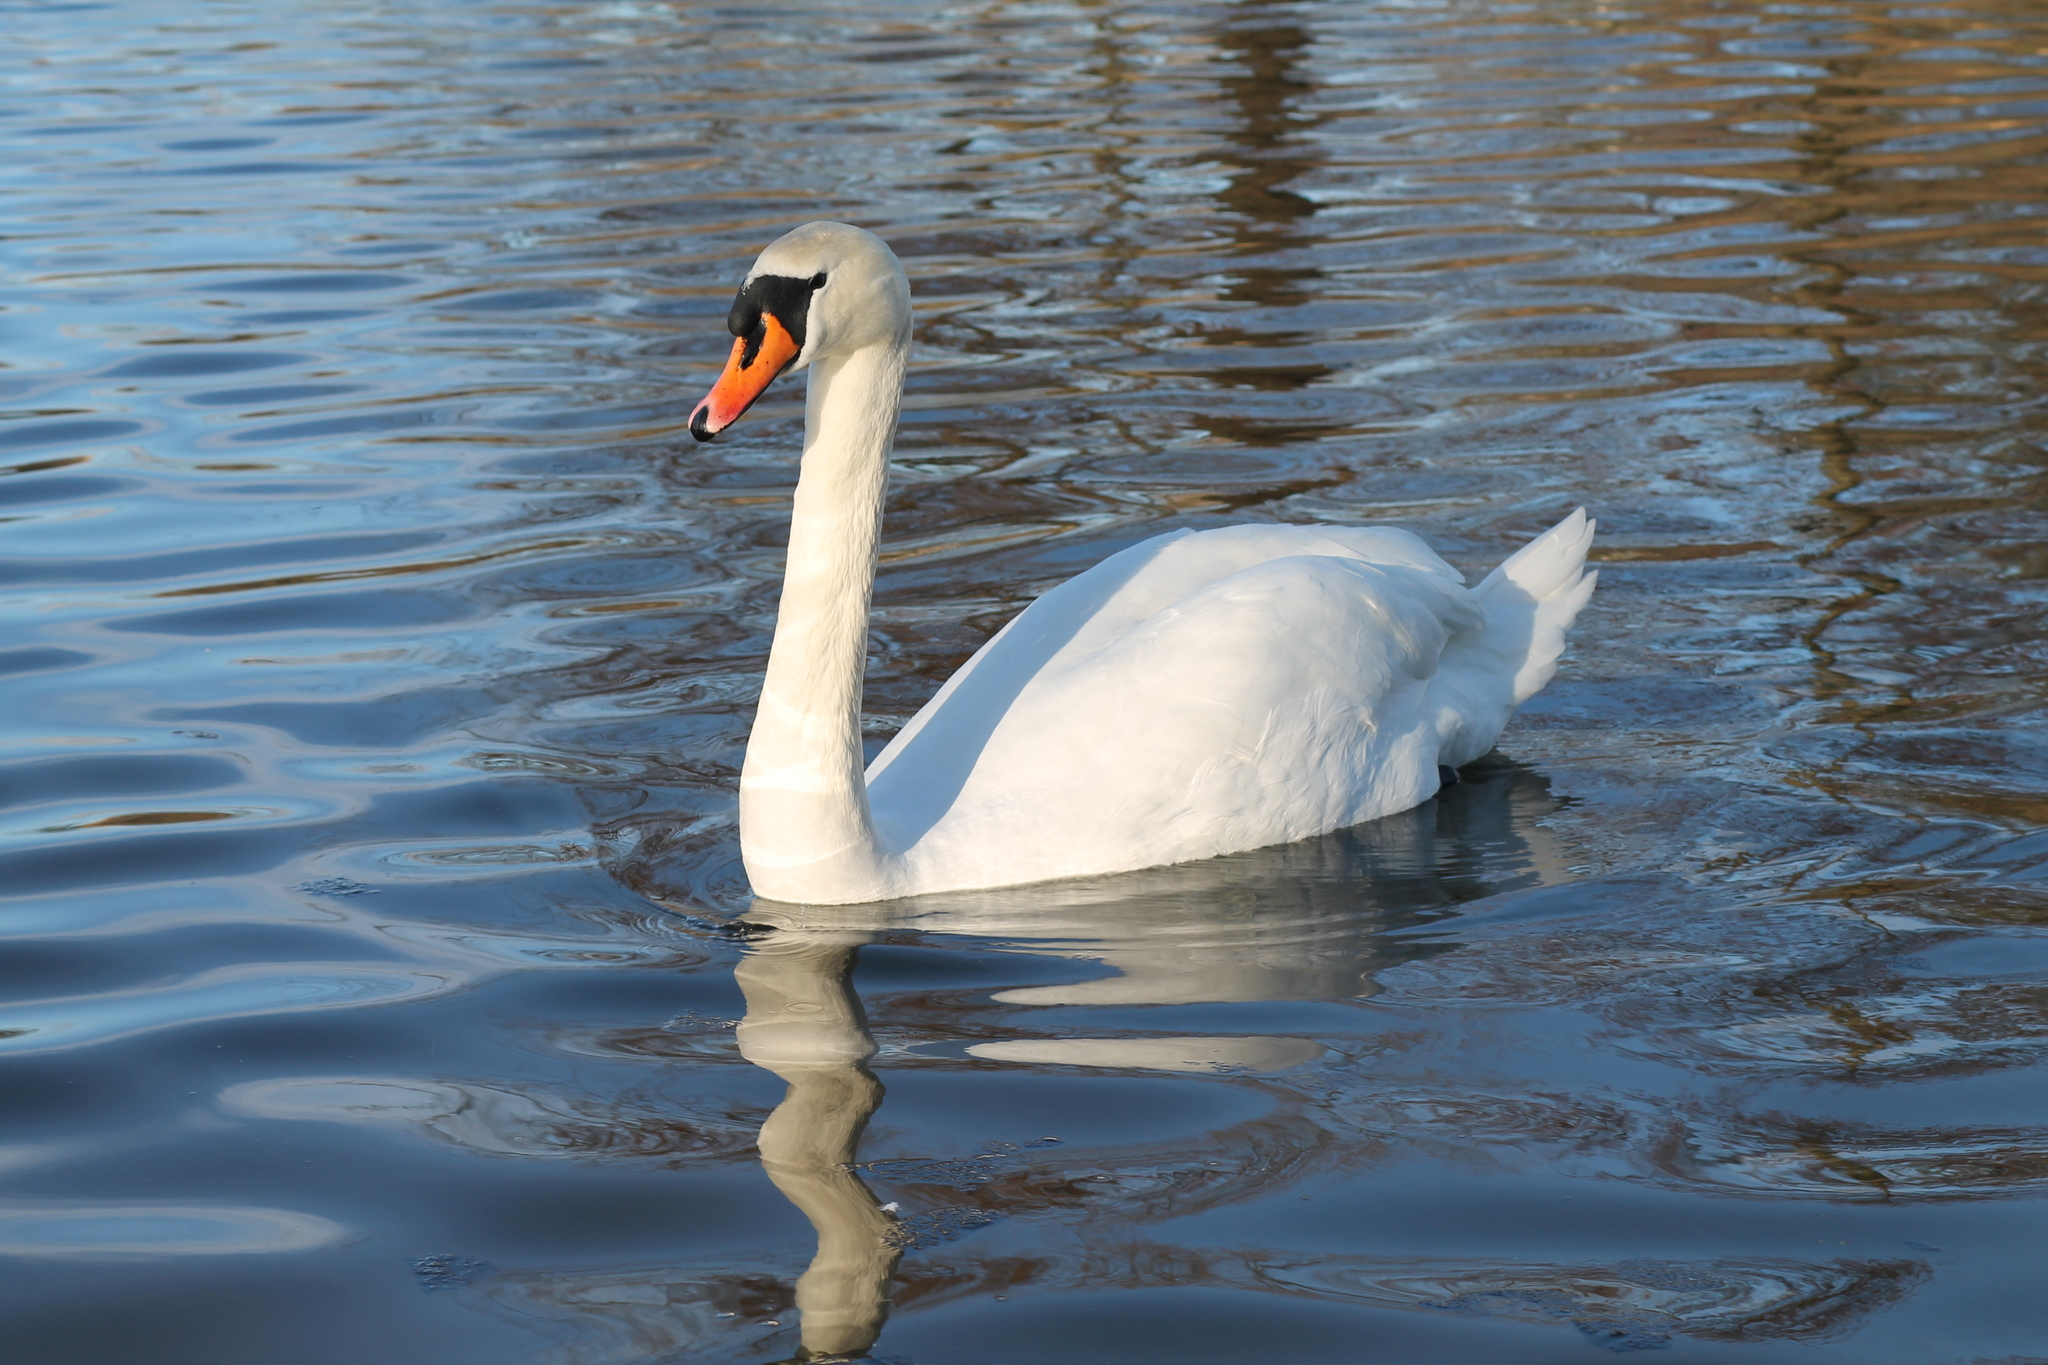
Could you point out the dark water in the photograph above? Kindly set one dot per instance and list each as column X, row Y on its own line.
column 380, row 652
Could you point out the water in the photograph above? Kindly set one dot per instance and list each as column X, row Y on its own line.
column 380, row 652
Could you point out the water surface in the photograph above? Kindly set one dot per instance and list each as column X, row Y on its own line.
column 379, row 653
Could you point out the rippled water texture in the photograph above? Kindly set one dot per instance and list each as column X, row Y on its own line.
column 380, row 651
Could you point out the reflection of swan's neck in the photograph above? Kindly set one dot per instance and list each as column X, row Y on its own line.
column 805, row 1024
column 804, row 824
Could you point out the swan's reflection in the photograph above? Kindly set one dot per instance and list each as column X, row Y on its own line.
column 805, row 1024
column 1306, row 921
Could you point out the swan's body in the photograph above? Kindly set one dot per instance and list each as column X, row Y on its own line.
column 1195, row 694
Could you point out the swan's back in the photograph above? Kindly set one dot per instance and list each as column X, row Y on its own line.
column 1203, row 693
column 1086, row 612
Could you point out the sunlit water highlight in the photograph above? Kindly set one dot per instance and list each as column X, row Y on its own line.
column 380, row 650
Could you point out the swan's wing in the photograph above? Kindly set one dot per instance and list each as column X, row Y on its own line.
column 1283, row 700
column 1168, row 569
column 1088, row 612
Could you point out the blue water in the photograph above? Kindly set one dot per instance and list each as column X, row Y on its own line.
column 379, row 652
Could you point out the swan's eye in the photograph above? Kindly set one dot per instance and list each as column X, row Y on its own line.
column 818, row 280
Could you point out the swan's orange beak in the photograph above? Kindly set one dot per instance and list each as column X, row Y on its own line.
column 755, row 361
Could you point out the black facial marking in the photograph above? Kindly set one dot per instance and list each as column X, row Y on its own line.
column 787, row 299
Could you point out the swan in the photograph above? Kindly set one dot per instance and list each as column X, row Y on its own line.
column 1196, row 694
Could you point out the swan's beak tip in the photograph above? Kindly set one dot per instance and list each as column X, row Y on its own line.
column 700, row 423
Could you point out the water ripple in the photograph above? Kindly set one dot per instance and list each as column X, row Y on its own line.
column 365, row 599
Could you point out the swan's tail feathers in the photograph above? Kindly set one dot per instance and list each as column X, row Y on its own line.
column 1532, row 599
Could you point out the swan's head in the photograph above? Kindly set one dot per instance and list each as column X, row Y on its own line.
column 825, row 289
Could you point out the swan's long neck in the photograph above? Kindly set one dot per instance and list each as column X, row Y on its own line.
column 805, row 831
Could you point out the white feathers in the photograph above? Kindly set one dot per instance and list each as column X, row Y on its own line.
column 1192, row 695
column 1205, row 694
column 1534, row 596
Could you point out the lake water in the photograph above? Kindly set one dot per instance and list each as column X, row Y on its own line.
column 380, row 651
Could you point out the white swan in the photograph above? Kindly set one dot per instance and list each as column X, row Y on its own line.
column 1196, row 694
